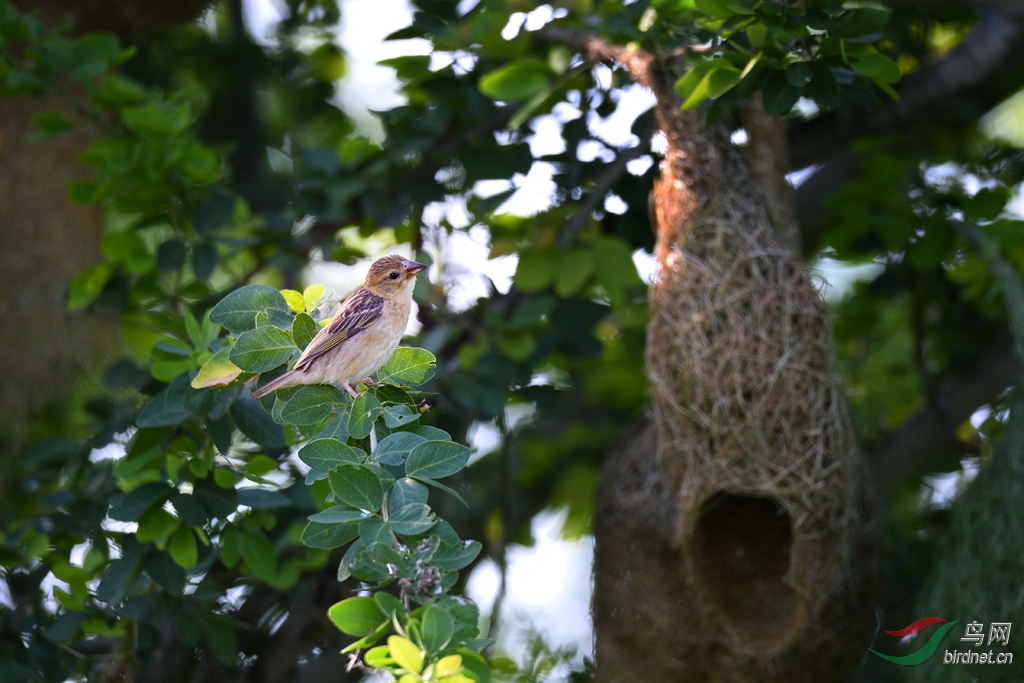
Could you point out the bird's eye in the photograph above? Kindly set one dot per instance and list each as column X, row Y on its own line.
column 393, row 275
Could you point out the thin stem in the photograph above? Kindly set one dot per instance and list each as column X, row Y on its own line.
column 384, row 513
column 507, row 521
column 611, row 175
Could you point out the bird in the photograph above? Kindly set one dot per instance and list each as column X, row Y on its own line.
column 362, row 335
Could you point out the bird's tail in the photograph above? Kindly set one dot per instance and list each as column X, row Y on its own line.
column 276, row 383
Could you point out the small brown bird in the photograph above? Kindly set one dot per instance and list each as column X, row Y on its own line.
column 363, row 334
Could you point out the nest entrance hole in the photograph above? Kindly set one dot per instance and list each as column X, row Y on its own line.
column 741, row 554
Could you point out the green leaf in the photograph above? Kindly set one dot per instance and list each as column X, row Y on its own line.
column 577, row 267
column 204, row 261
column 391, row 605
column 438, row 629
column 407, row 367
column 128, row 507
column 171, row 255
column 117, row 92
column 356, row 616
column 436, row 459
column 520, row 80
column 455, row 557
column 219, row 502
column 263, row 499
column 878, row 67
column 393, row 449
column 120, row 573
column 614, row 267
column 259, row 553
column 165, row 571
column 188, row 629
column 50, row 123
column 323, row 455
column 87, row 285
column 349, row 559
column 215, row 213
column 303, row 330
column 312, row 294
column 373, row 531
column 823, row 88
column 63, row 630
column 183, row 548
column 721, row 81
column 405, row 492
column 358, row 486
column 221, row 639
column 313, row 404
column 156, row 523
column 517, row 345
column 986, row 205
column 474, row 665
column 338, row 515
column 378, row 657
column 536, row 269
column 713, row 8
column 406, row 654
column 412, row 519
column 294, row 299
column 696, row 85
column 328, row 536
column 400, row 415
column 365, row 411
column 190, row 510
column 219, row 371
column 262, row 349
column 238, row 310
column 778, row 95
column 158, row 119
column 129, row 249
column 95, row 46
column 860, row 24
column 256, row 424
column 429, row 433
column 798, row 74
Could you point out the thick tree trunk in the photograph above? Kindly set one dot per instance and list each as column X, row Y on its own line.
column 45, row 239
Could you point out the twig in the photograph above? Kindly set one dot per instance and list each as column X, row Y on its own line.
column 611, row 175
column 634, row 59
column 1008, row 279
column 505, row 483
column 110, row 656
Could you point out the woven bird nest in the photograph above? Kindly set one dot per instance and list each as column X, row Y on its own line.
column 747, row 497
column 747, row 400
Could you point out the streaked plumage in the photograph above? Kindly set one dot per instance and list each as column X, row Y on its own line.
column 363, row 334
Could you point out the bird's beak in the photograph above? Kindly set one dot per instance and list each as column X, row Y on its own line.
column 412, row 268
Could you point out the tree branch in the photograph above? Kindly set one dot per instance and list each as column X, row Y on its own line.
column 907, row 451
column 1007, row 8
column 611, row 175
column 637, row 61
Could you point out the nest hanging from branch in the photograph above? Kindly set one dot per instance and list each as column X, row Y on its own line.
column 743, row 513
column 749, row 410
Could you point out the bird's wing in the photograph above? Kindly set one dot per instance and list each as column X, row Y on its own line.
column 362, row 309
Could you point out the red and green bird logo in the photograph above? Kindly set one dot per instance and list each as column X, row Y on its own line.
column 929, row 648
